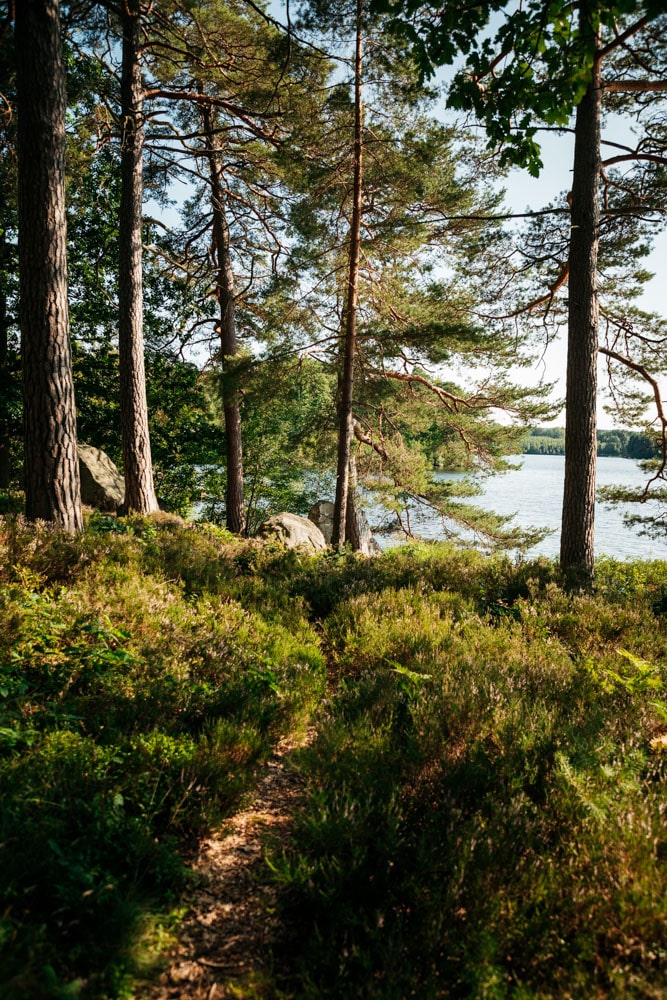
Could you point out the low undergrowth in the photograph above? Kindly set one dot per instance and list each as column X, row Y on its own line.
column 485, row 809
column 136, row 702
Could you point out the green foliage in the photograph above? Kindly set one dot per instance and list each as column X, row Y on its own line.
column 486, row 791
column 135, row 704
column 12, row 502
column 288, row 444
column 184, row 435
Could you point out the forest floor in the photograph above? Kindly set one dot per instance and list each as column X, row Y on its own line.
column 224, row 943
column 480, row 813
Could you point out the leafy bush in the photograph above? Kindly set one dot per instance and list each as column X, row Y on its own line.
column 132, row 718
column 486, row 794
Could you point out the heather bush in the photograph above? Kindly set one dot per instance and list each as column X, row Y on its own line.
column 486, row 815
column 133, row 715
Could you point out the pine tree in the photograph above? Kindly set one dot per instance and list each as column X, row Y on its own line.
column 544, row 64
column 409, row 207
column 232, row 84
column 137, row 461
column 51, row 462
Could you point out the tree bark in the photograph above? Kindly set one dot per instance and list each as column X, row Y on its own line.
column 52, row 485
column 137, row 462
column 235, row 517
column 352, row 529
column 346, row 383
column 577, row 535
column 5, row 469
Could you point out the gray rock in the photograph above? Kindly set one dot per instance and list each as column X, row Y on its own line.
column 321, row 514
column 358, row 532
column 102, row 485
column 293, row 531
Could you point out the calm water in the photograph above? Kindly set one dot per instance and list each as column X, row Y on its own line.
column 534, row 493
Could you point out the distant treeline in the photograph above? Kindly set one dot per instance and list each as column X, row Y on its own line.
column 616, row 444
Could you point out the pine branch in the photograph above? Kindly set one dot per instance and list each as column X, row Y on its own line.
column 662, row 417
column 635, row 86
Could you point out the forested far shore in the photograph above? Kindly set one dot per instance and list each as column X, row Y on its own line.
column 610, row 443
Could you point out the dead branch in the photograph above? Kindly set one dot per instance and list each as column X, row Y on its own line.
column 547, row 298
column 623, row 37
column 367, row 439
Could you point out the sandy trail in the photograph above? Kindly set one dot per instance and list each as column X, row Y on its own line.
column 224, row 942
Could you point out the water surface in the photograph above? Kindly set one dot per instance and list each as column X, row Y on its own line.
column 534, row 493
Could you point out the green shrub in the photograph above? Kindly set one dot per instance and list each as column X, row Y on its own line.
column 134, row 710
column 486, row 807
column 485, row 794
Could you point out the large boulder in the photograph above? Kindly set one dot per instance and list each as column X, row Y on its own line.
column 293, row 531
column 102, row 485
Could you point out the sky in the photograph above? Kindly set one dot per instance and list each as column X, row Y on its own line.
column 524, row 192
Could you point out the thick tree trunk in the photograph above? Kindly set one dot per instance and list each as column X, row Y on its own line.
column 137, row 462
column 51, row 463
column 346, row 381
column 235, row 518
column 577, row 536
column 5, row 469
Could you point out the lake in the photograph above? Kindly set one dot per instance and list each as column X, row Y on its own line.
column 534, row 493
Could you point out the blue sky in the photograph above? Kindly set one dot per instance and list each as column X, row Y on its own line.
column 524, row 191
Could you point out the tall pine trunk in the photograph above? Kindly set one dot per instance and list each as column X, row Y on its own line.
column 5, row 469
column 137, row 462
column 235, row 518
column 51, row 472
column 353, row 533
column 346, row 380
column 577, row 535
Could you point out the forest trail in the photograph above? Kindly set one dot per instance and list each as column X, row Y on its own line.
column 224, row 946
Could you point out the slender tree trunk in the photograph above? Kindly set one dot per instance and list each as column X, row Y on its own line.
column 577, row 536
column 235, row 518
column 5, row 469
column 346, row 383
column 51, row 462
column 352, row 528
column 137, row 462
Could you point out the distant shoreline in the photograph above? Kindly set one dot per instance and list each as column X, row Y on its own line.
column 611, row 444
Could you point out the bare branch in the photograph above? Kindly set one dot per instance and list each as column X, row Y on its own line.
column 635, row 86
column 368, row 440
column 650, row 157
column 623, row 37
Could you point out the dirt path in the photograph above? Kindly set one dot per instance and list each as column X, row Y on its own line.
column 224, row 941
